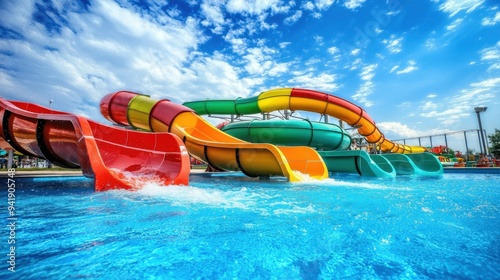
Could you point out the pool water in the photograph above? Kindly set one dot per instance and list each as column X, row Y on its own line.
column 234, row 227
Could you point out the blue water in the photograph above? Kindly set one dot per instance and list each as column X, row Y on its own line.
column 233, row 227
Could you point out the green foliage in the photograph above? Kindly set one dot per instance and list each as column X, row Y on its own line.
column 495, row 143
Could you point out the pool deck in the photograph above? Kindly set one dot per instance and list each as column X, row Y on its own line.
column 473, row 170
column 19, row 173
column 72, row 173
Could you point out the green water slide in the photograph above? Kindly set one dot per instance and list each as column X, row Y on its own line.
column 421, row 164
column 240, row 106
column 358, row 161
column 291, row 133
column 330, row 140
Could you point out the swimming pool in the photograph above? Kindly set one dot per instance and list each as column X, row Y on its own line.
column 235, row 227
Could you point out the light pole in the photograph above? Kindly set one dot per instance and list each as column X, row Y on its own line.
column 478, row 111
column 50, row 102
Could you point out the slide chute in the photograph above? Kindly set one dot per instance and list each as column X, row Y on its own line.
column 209, row 144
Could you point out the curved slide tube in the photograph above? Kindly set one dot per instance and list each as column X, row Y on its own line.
column 317, row 135
column 422, row 164
column 330, row 138
column 305, row 100
column 357, row 161
column 209, row 144
column 116, row 158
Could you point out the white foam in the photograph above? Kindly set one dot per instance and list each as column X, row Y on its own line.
column 339, row 183
column 185, row 195
column 295, row 210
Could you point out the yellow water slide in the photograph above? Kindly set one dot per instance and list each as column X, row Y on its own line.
column 306, row 100
column 314, row 101
column 207, row 143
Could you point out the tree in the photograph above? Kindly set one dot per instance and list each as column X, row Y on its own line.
column 495, row 143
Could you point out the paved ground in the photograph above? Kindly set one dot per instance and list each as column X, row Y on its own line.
column 48, row 173
column 41, row 173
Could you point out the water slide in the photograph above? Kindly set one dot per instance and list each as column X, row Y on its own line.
column 209, row 144
column 326, row 104
column 114, row 157
column 420, row 164
column 306, row 100
column 358, row 161
column 294, row 132
column 330, row 140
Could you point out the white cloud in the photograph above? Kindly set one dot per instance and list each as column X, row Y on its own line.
column 283, row 45
column 213, row 16
column 355, row 64
column 318, row 40
column 455, row 6
column 491, row 55
column 428, row 105
column 454, row 24
column 430, row 44
column 491, row 21
column 308, row 6
column 394, row 68
column 355, row 52
column 323, row 81
column 258, row 60
column 333, row 50
column 367, row 87
column 353, row 4
column 488, row 83
column 393, row 44
column 256, row 7
column 317, row 7
column 212, row 78
column 111, row 48
column 409, row 68
column 399, row 129
column 454, row 109
column 293, row 19
column 367, row 73
column 278, row 69
column 323, row 4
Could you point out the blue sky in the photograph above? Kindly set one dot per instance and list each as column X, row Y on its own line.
column 418, row 67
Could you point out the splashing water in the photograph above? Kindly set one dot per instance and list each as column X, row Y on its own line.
column 235, row 227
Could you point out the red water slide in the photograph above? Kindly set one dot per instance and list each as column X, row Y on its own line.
column 115, row 158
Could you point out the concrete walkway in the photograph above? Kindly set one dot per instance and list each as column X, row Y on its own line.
column 19, row 173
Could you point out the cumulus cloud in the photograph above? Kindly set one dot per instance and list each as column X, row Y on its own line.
column 256, row 7
column 453, row 7
column 324, row 81
column 333, row 50
column 454, row 24
column 353, row 4
column 367, row 87
column 293, row 18
column 397, row 128
column 409, row 68
column 491, row 21
column 109, row 48
column 491, row 55
column 454, row 109
column 393, row 44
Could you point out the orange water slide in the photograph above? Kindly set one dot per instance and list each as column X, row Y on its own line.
column 115, row 158
column 323, row 103
column 209, row 144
